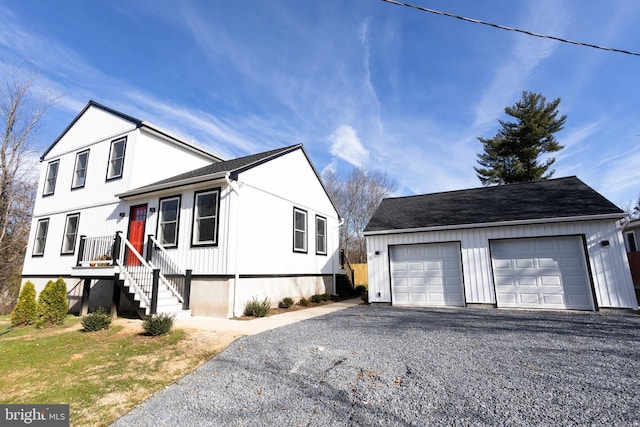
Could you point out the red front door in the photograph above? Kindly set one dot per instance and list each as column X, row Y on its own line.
column 137, row 221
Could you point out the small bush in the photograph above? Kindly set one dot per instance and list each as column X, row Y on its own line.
column 334, row 297
column 257, row 308
column 96, row 321
column 303, row 302
column 326, row 297
column 360, row 289
column 286, row 303
column 316, row 298
column 26, row 310
column 158, row 324
column 52, row 303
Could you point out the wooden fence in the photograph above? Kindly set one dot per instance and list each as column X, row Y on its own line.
column 361, row 274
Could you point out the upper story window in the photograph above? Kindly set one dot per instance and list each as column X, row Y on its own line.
column 321, row 235
column 116, row 158
column 205, row 218
column 41, row 237
column 168, row 221
column 52, row 176
column 70, row 234
column 299, row 230
column 80, row 169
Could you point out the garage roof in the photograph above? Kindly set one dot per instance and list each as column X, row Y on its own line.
column 530, row 202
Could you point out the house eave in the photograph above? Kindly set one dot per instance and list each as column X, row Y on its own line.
column 612, row 216
column 170, row 185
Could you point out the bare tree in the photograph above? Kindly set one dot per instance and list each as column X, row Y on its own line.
column 21, row 110
column 357, row 198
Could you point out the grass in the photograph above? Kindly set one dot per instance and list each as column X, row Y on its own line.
column 101, row 375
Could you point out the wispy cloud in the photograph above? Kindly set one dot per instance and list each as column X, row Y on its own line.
column 346, row 145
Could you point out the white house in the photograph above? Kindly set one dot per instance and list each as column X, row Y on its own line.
column 125, row 209
column 553, row 244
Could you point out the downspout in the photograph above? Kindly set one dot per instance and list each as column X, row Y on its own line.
column 333, row 261
column 236, row 189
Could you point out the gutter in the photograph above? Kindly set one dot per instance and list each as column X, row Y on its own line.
column 236, row 276
column 496, row 224
column 169, row 185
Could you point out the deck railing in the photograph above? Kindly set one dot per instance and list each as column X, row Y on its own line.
column 96, row 251
column 177, row 279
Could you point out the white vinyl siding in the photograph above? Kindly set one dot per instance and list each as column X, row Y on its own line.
column 168, row 221
column 70, row 234
column 116, row 158
column 41, row 237
column 52, row 176
column 80, row 169
column 205, row 218
column 321, row 235
column 299, row 230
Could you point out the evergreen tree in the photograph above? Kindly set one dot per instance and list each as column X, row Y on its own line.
column 513, row 154
column 52, row 303
column 26, row 310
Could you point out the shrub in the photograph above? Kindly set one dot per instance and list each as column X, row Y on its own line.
column 326, row 297
column 52, row 303
column 286, row 303
column 257, row 308
column 158, row 324
column 303, row 302
column 316, row 298
column 26, row 310
column 96, row 321
column 360, row 289
column 334, row 297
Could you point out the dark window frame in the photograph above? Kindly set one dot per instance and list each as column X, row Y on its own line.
column 64, row 234
column 195, row 244
column 44, row 239
column 75, row 186
column 159, row 234
column 324, row 236
column 305, row 232
column 55, row 178
column 122, row 140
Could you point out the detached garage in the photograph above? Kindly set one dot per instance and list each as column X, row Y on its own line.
column 553, row 244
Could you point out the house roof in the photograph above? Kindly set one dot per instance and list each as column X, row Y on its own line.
column 138, row 124
column 525, row 202
column 213, row 171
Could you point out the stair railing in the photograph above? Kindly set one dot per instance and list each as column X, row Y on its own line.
column 141, row 276
column 177, row 279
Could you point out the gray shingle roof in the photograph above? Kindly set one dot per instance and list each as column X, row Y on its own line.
column 553, row 198
column 233, row 167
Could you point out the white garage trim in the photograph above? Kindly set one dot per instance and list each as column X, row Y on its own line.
column 427, row 274
column 541, row 272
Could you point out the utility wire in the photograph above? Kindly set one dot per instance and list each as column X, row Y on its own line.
column 502, row 27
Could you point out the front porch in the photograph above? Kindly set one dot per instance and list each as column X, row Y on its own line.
column 152, row 284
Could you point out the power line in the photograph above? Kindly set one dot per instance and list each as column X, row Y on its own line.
column 502, row 27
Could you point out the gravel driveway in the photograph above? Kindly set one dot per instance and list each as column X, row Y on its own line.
column 402, row 366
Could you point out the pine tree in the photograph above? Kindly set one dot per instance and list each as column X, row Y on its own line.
column 26, row 310
column 52, row 303
column 513, row 154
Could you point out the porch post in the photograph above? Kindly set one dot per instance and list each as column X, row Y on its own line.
column 149, row 248
column 187, row 290
column 154, row 291
column 80, row 251
column 117, row 243
column 115, row 301
column 84, row 304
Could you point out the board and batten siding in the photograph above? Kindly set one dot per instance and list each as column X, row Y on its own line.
column 608, row 265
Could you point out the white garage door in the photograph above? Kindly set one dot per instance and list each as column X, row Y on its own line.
column 426, row 275
column 541, row 273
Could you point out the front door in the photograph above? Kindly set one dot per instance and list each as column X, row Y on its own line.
column 137, row 221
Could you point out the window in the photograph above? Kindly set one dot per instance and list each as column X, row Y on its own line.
column 631, row 242
column 168, row 221
column 52, row 175
column 70, row 234
column 205, row 218
column 321, row 235
column 116, row 158
column 80, row 170
column 41, row 237
column 299, row 230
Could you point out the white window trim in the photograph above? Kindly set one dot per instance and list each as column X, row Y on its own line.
column 74, row 183
column 66, row 232
column 319, row 235
column 161, row 222
column 196, row 218
column 112, row 159
column 44, row 238
column 296, row 231
column 48, row 191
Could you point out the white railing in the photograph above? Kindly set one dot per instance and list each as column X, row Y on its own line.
column 140, row 276
column 95, row 251
column 171, row 274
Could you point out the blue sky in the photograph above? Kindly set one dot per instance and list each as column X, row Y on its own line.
column 358, row 82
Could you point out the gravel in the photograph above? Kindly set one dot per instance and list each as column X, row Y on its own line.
column 390, row 366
